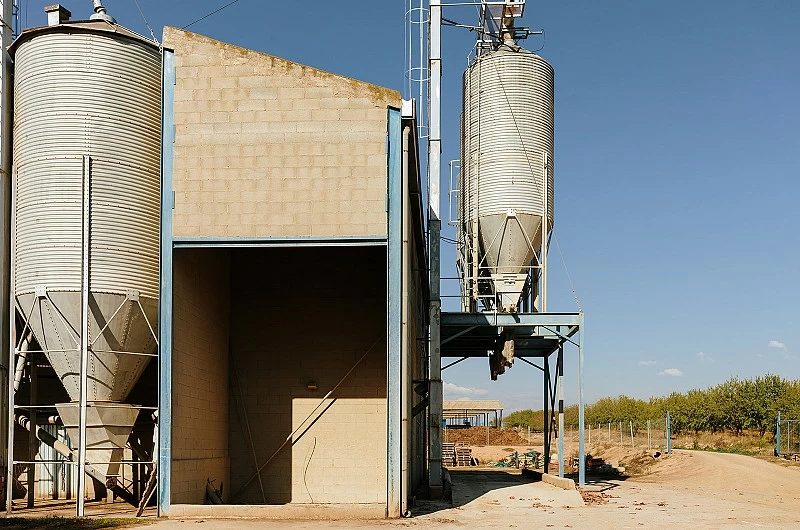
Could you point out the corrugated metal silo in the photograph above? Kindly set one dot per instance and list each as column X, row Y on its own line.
column 87, row 163
column 506, row 168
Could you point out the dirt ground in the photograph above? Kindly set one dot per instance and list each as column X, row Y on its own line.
column 685, row 490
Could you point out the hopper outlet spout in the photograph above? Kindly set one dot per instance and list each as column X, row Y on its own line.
column 108, row 426
column 508, row 289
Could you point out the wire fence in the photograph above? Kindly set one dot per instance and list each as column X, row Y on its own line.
column 648, row 435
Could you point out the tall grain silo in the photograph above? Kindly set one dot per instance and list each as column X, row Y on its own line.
column 85, row 264
column 506, row 181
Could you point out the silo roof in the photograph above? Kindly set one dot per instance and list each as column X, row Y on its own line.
column 88, row 26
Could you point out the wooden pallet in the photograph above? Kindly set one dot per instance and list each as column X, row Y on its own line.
column 449, row 454
column 463, row 455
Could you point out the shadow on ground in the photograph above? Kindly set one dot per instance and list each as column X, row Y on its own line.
column 600, row 483
column 470, row 484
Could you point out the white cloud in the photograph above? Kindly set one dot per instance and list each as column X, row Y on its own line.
column 647, row 363
column 454, row 391
column 672, row 372
column 778, row 345
column 704, row 357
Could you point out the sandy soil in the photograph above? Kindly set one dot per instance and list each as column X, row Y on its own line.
column 686, row 490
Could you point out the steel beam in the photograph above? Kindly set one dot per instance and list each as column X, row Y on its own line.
column 6, row 222
column 85, row 348
column 434, row 254
column 511, row 319
column 280, row 242
column 581, row 448
column 394, row 316
column 164, row 467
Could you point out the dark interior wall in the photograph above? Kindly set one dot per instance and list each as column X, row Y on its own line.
column 417, row 367
column 201, row 308
column 301, row 317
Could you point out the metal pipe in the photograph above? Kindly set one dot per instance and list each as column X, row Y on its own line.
column 7, row 313
column 100, row 12
column 434, row 251
column 405, row 380
column 84, row 336
column 560, row 384
column 64, row 450
column 21, row 360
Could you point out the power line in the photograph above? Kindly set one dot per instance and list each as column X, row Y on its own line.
column 210, row 14
column 145, row 22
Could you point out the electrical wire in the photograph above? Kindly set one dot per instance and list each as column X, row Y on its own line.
column 305, row 470
column 210, row 14
column 563, row 262
column 145, row 22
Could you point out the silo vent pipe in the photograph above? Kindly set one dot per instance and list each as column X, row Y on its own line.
column 100, row 12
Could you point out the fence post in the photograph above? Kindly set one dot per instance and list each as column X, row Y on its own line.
column 630, row 424
column 778, row 437
column 609, row 432
column 649, row 442
column 620, row 434
column 669, row 435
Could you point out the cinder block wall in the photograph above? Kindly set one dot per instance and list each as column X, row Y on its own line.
column 300, row 316
column 200, row 373
column 268, row 147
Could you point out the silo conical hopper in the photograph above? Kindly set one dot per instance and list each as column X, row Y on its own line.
column 506, row 166
column 87, row 107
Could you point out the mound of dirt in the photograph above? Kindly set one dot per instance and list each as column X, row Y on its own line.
column 477, row 436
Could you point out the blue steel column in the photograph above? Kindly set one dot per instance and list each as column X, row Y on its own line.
column 165, row 297
column 581, row 455
column 394, row 315
column 560, row 390
column 778, row 436
column 546, row 422
column 669, row 435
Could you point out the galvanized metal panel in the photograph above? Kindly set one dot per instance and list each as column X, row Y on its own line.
column 95, row 95
column 507, row 134
column 92, row 95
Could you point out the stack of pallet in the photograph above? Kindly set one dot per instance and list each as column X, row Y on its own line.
column 448, row 454
column 463, row 455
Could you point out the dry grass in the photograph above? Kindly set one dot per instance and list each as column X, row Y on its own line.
column 64, row 523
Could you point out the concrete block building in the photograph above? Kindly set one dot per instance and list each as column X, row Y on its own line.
column 293, row 288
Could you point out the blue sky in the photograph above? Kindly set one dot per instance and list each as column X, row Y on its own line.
column 677, row 170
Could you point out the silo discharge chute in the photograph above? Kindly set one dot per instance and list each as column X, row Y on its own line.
column 87, row 120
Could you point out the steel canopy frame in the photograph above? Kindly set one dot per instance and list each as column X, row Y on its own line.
column 536, row 335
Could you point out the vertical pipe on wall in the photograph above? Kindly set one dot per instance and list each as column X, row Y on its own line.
column 6, row 303
column 405, row 380
column 33, row 442
column 164, row 426
column 434, row 230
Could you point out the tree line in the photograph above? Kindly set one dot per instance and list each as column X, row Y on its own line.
column 737, row 405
